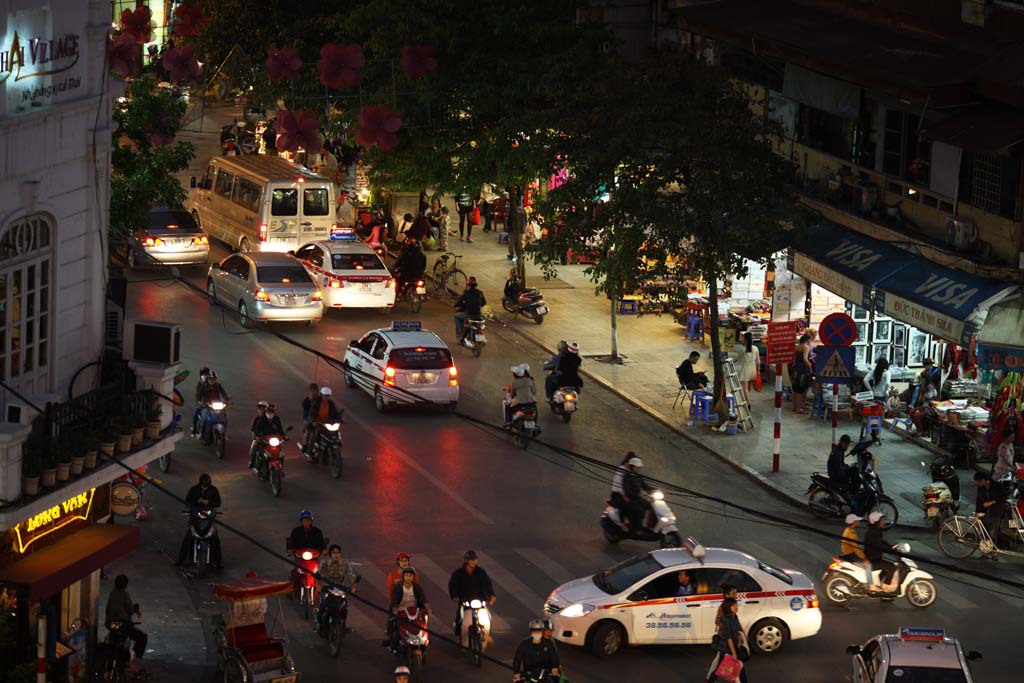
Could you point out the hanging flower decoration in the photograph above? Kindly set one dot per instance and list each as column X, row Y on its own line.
column 188, row 19
column 123, row 54
column 339, row 65
column 164, row 136
column 138, row 24
column 379, row 125
column 180, row 63
column 297, row 129
column 283, row 63
column 419, row 60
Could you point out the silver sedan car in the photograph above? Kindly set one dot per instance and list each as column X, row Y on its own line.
column 265, row 286
column 170, row 238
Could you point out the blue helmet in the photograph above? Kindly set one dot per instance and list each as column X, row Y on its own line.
column 306, row 514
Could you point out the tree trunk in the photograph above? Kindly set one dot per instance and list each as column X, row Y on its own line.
column 615, row 337
column 719, row 403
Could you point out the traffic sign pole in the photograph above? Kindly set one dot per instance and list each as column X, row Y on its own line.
column 777, row 441
column 835, row 414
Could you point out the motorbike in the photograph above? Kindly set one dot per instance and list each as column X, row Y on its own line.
column 413, row 640
column 827, row 500
column 236, row 139
column 474, row 335
column 523, row 426
column 270, row 461
column 304, row 587
column 326, row 446
column 201, row 524
column 529, row 303
column 659, row 523
column 413, row 293
column 844, row 581
column 217, row 426
column 564, row 402
column 115, row 652
column 542, row 676
column 479, row 630
column 941, row 498
column 333, row 618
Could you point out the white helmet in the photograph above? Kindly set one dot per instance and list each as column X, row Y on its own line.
column 402, row 671
column 325, row 391
column 520, row 370
column 874, row 517
column 635, row 462
column 574, row 347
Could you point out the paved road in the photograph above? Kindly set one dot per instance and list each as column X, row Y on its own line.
column 434, row 485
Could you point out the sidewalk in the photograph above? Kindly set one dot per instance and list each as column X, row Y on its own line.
column 653, row 346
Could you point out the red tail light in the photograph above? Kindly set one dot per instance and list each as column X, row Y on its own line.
column 202, row 239
column 453, row 376
column 261, row 295
column 389, row 376
column 318, row 295
column 264, row 228
column 151, row 242
column 391, row 283
column 336, row 284
column 813, row 602
column 420, row 283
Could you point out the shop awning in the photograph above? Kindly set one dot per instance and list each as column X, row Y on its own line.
column 1001, row 340
column 53, row 568
column 844, row 262
column 983, row 128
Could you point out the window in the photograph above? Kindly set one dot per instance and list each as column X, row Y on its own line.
column 356, row 262
column 366, row 344
column 829, row 133
column 316, row 202
column 237, row 266
column 665, row 586
column 284, row 202
column 25, row 280
column 303, row 253
column 420, row 358
column 623, row 575
column 380, row 350
column 247, row 195
column 777, row 573
column 173, row 222
column 317, row 257
column 224, row 182
column 710, row 580
column 899, row 146
column 295, row 274
column 991, row 183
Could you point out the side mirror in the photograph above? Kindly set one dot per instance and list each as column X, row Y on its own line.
column 853, row 650
column 215, row 265
column 973, row 656
column 192, row 182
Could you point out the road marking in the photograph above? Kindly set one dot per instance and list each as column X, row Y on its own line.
column 597, row 561
column 371, row 575
column 394, row 449
column 430, row 569
column 519, row 590
column 543, row 561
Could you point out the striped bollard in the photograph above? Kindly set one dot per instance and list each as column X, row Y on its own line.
column 776, row 446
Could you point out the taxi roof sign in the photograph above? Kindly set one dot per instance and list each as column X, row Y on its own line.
column 695, row 548
column 406, row 325
column 925, row 634
column 343, row 233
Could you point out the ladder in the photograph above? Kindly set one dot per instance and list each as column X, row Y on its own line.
column 733, row 387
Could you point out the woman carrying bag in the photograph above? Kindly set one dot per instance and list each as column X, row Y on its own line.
column 732, row 647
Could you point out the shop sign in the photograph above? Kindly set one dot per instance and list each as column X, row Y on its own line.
column 124, row 499
column 927, row 319
column 781, row 346
column 726, row 339
column 1001, row 357
column 38, row 66
column 849, row 289
column 44, row 523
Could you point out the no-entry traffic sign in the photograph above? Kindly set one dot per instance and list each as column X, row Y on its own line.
column 837, row 329
column 781, row 346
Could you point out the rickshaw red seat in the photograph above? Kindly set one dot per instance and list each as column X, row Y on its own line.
column 255, row 644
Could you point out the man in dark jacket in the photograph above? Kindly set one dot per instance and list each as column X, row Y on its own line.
column 991, row 500
column 551, row 381
column 875, row 546
column 202, row 496
column 535, row 654
column 121, row 608
column 688, row 377
column 410, row 265
column 207, row 393
column 306, row 535
column 200, row 392
column 633, row 489
column 322, row 409
column 569, row 367
column 838, row 470
column 469, row 582
column 468, row 306
column 266, row 423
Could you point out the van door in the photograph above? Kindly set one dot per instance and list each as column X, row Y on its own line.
column 200, row 197
column 283, row 222
column 220, row 208
column 317, row 211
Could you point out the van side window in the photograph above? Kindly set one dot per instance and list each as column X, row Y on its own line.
column 247, row 195
column 315, row 202
column 224, row 181
column 284, row 202
column 206, row 182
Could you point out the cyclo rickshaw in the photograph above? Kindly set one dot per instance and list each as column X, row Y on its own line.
column 247, row 649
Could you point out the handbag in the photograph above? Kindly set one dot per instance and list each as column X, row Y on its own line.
column 758, row 385
column 474, row 218
column 729, row 668
column 742, row 653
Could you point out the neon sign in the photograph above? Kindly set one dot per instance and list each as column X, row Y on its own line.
column 39, row 65
column 44, row 523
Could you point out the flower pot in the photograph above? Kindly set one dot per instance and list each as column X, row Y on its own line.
column 78, row 464
column 49, row 478
column 63, row 471
column 137, row 434
column 108, row 447
column 124, row 443
column 90, row 458
column 30, row 485
column 153, row 429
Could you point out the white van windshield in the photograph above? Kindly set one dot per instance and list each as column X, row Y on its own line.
column 315, row 202
column 285, row 202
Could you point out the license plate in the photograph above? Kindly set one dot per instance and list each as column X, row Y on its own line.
column 289, row 299
column 933, row 512
column 421, row 378
column 541, row 310
column 481, row 339
column 364, row 287
column 530, row 424
column 291, row 678
column 421, row 290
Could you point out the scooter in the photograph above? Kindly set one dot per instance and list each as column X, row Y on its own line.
column 523, row 426
column 270, row 461
column 217, row 426
column 236, row 139
column 304, row 587
column 115, row 653
column 564, row 402
column 333, row 618
column 201, row 524
column 473, row 337
column 413, row 639
column 844, row 581
column 941, row 498
column 529, row 304
column 479, row 630
column 326, row 446
column 413, row 293
column 659, row 523
column 827, row 500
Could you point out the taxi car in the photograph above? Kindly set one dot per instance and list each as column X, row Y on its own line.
column 637, row 601
column 349, row 272
column 402, row 365
column 914, row 655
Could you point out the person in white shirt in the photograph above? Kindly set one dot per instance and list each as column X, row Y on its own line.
column 878, row 380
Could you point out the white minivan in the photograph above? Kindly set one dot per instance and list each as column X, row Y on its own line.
column 262, row 203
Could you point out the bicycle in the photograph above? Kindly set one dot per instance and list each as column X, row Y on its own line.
column 963, row 535
column 448, row 277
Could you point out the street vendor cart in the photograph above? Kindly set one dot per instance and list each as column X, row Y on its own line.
column 248, row 649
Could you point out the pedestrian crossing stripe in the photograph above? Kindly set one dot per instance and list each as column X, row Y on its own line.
column 835, row 367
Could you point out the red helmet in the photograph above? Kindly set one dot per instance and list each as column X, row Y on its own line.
column 402, row 556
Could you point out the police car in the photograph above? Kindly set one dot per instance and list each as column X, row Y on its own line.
column 914, row 655
column 350, row 274
column 638, row 602
column 402, row 364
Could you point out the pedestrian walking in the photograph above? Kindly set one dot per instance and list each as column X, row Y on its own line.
column 732, row 642
column 748, row 362
column 464, row 205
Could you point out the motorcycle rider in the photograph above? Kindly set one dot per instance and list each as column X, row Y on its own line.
column 402, row 674
column 306, row 535
column 204, row 373
column 323, row 409
column 202, row 496
column 569, row 367
column 551, row 381
column 839, row 473
column 212, row 391
column 851, row 549
column 410, row 266
column 521, row 393
column 408, row 593
column 617, row 497
column 469, row 582
column 266, row 424
column 633, row 488
column 875, row 546
column 338, row 572
column 402, row 561
column 121, row 608
column 535, row 654
column 468, row 306
column 312, row 393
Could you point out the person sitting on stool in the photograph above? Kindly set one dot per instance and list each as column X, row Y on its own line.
column 687, row 377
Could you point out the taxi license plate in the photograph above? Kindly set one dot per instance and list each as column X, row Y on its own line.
column 530, row 424
column 421, row 378
column 541, row 310
column 933, row 512
column 364, row 287
column 290, row 678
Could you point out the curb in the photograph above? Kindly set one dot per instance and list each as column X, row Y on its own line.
column 658, row 416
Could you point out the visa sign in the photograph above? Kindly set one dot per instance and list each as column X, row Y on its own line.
column 944, row 290
column 854, row 256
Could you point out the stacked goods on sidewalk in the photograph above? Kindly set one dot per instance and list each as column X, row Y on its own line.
column 1005, row 417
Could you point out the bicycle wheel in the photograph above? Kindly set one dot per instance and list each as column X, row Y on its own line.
column 440, row 271
column 959, row 537
column 455, row 283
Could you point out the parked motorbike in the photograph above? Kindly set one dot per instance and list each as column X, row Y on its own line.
column 304, row 587
column 564, row 402
column 529, row 303
column 474, row 337
column 941, row 498
column 201, row 524
column 413, row 639
column 326, row 447
column 523, row 426
column 235, row 138
column 270, row 461
column 659, row 523
column 217, row 426
column 115, row 653
column 479, row 630
column 828, row 500
column 844, row 581
column 413, row 293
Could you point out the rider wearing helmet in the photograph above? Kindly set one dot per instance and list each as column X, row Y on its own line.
column 468, row 306
column 202, row 496
column 323, row 409
column 402, row 674
column 535, row 654
column 522, row 392
column 212, row 391
column 402, row 561
column 204, row 373
column 633, row 489
column 263, row 425
column 306, row 535
column 469, row 582
column 569, row 367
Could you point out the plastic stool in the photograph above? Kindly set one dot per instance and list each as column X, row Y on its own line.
column 694, row 327
column 730, row 402
column 627, row 306
column 872, row 423
column 704, row 408
column 905, row 421
column 695, row 397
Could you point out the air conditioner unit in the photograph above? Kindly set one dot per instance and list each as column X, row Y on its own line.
column 152, row 341
column 961, row 233
column 114, row 330
column 17, row 411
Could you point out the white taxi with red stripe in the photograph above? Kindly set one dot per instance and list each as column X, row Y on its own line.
column 641, row 601
column 349, row 272
column 913, row 655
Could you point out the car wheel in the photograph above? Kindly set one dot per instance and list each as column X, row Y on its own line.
column 768, row 636
column 243, row 315
column 131, row 258
column 244, row 246
column 350, row 381
column 607, row 638
column 211, row 293
column 378, row 400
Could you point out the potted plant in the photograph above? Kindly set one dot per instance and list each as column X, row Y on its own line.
column 124, row 435
column 49, row 475
column 108, row 438
column 138, row 425
column 90, row 447
column 75, row 445
column 31, row 466
column 153, row 412
column 62, row 456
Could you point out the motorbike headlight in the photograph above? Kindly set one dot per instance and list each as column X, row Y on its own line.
column 485, row 618
column 217, row 405
column 333, row 426
column 274, row 441
column 307, row 555
column 577, row 610
column 658, row 495
column 476, row 604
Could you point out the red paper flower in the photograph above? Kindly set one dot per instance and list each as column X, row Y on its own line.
column 297, row 129
column 339, row 65
column 123, row 54
column 188, row 19
column 419, row 60
column 378, row 125
column 180, row 63
column 138, row 24
column 283, row 63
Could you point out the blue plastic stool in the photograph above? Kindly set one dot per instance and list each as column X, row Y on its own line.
column 694, row 327
column 704, row 408
column 730, row 402
column 627, row 306
column 905, row 421
column 695, row 397
column 872, row 423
